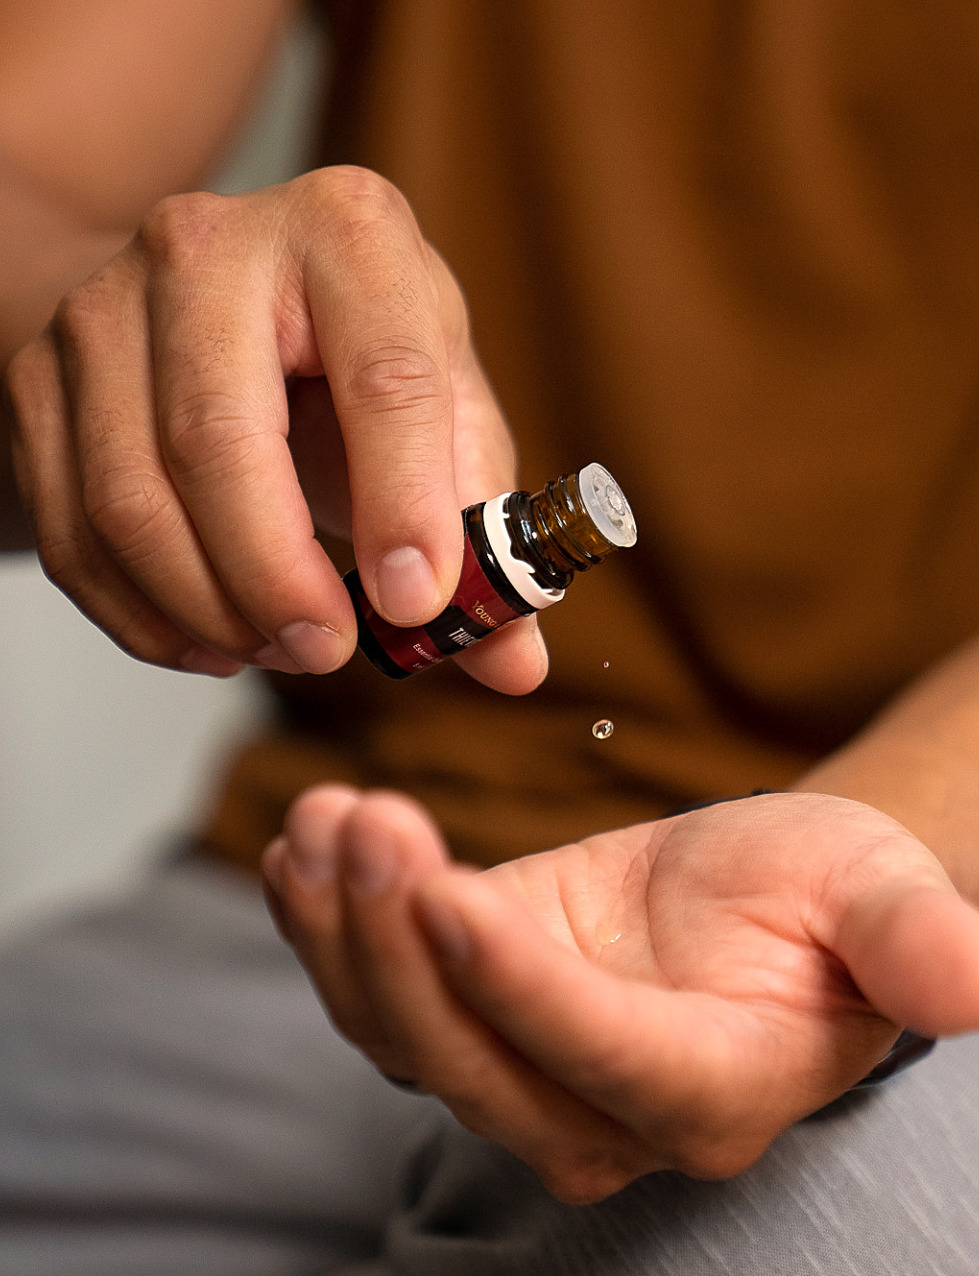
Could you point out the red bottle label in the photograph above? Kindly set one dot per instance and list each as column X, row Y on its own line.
column 475, row 610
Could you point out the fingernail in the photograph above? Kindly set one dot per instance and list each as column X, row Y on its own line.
column 314, row 863
column 274, row 657
column 406, row 586
column 315, row 648
column 446, row 929
column 369, row 867
column 200, row 660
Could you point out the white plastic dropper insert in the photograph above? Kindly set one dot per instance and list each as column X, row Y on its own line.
column 607, row 506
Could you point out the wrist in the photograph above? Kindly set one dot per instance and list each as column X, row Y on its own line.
column 918, row 762
column 930, row 791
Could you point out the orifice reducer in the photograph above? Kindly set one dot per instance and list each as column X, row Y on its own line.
column 521, row 552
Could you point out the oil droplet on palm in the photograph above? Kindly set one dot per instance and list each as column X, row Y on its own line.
column 602, row 729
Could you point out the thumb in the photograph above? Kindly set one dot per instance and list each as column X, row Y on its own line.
column 913, row 951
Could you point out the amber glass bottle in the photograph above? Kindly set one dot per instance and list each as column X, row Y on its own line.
column 521, row 552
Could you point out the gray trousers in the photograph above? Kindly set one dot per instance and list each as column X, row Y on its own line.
column 173, row 1100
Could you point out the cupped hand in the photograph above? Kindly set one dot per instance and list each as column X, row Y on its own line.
column 245, row 368
column 667, row 996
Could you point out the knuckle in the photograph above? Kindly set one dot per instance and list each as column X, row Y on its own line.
column 81, row 313
column 72, row 560
column 363, row 217
column 357, row 198
column 396, row 378
column 415, row 505
column 207, row 433
column 129, row 510
column 66, row 556
column 136, row 637
column 182, row 228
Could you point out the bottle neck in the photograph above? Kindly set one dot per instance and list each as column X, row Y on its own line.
column 554, row 527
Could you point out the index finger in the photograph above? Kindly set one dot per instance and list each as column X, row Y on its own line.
column 376, row 310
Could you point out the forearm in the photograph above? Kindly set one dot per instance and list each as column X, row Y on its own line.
column 919, row 762
column 104, row 109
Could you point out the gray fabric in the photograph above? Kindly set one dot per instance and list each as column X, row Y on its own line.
column 172, row 1100
column 885, row 1183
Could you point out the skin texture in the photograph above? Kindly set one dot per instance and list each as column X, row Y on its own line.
column 172, row 481
column 618, row 1006
column 240, row 371
column 200, row 382
column 106, row 108
column 104, row 111
column 671, row 995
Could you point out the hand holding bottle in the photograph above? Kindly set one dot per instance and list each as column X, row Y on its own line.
column 246, row 367
column 521, row 552
column 666, row 996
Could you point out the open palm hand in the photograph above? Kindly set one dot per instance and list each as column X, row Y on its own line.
column 671, row 995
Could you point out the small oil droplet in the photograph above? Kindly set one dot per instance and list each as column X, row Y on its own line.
column 602, row 729
column 604, row 664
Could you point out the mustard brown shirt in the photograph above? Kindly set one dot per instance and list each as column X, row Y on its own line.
column 731, row 251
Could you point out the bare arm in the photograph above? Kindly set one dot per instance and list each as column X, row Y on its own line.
column 104, row 109
column 108, row 106
column 919, row 763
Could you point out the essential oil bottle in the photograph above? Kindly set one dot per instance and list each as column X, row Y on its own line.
column 521, row 552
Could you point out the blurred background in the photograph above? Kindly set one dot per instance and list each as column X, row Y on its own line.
column 105, row 761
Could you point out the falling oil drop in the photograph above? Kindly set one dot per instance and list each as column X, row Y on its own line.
column 604, row 664
column 602, row 729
